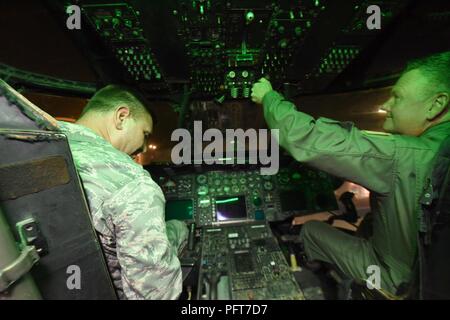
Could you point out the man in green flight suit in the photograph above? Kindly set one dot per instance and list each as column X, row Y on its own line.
column 392, row 166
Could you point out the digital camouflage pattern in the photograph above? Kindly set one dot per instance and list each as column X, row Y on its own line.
column 127, row 210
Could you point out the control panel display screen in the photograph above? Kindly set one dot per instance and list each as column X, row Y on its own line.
column 231, row 208
column 179, row 209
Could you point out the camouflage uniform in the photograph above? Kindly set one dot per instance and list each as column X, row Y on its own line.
column 127, row 209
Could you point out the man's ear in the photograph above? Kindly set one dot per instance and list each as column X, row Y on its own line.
column 120, row 115
column 438, row 106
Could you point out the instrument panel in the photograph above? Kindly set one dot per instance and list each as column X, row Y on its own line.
column 221, row 197
column 244, row 262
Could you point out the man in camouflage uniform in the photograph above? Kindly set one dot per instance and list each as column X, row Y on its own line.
column 126, row 205
column 394, row 167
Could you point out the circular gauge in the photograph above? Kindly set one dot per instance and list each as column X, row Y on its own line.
column 231, row 74
column 268, row 186
column 235, row 189
column 242, row 180
column 202, row 190
column 217, row 182
column 201, row 179
column 226, row 189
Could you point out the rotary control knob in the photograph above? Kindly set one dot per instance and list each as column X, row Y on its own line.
column 235, row 189
column 257, row 201
column 226, row 189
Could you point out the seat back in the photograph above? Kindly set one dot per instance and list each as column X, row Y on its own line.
column 434, row 237
column 42, row 200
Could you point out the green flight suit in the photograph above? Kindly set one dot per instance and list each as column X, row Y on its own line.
column 393, row 167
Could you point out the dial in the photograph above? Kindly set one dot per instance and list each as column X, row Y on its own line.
column 202, row 190
column 268, row 186
column 201, row 179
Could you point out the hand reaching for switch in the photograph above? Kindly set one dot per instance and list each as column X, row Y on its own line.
column 260, row 89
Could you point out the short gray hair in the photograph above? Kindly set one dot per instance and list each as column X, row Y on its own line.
column 436, row 68
column 112, row 96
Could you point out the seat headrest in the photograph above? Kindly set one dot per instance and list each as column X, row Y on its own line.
column 17, row 112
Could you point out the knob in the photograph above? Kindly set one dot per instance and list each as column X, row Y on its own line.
column 257, row 201
column 268, row 186
column 202, row 190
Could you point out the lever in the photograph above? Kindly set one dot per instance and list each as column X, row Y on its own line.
column 191, row 236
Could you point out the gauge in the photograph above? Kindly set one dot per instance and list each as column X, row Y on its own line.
column 201, row 179
column 268, row 186
column 202, row 190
